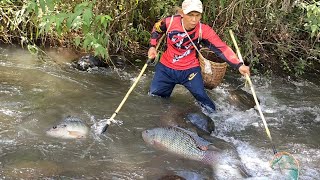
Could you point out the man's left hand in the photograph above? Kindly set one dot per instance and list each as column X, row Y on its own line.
column 244, row 70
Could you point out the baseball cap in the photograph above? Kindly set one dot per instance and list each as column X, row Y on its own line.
column 191, row 5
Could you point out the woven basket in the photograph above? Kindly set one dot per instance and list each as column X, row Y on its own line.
column 218, row 69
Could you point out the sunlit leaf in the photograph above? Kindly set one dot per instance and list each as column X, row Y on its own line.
column 50, row 4
column 33, row 49
column 43, row 5
column 87, row 16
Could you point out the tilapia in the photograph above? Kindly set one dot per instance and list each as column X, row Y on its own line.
column 201, row 121
column 69, row 128
column 189, row 145
column 190, row 118
column 241, row 99
column 180, row 142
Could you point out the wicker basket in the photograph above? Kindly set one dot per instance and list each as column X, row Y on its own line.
column 218, row 69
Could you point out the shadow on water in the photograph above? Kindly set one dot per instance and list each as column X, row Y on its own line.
column 36, row 94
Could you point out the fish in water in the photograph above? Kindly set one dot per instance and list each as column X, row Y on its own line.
column 187, row 118
column 241, row 99
column 189, row 145
column 69, row 128
column 201, row 121
column 171, row 177
column 181, row 142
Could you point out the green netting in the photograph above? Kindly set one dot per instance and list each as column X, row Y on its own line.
column 287, row 164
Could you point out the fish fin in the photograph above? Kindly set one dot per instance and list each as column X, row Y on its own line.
column 211, row 147
column 75, row 134
column 203, row 148
column 201, row 122
column 201, row 143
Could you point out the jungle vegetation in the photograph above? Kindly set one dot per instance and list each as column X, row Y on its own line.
column 275, row 36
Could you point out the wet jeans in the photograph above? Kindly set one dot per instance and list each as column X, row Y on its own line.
column 166, row 78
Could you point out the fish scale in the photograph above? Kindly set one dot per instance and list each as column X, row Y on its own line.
column 177, row 141
column 69, row 128
column 186, row 144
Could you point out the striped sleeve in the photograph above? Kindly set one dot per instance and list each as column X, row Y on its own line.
column 159, row 28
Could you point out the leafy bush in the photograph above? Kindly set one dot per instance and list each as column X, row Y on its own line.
column 277, row 35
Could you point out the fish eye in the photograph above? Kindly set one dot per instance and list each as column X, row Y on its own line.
column 64, row 125
column 54, row 127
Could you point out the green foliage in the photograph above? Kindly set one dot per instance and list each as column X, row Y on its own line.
column 33, row 49
column 88, row 30
column 277, row 35
column 313, row 17
column 271, row 33
column 300, row 66
column 164, row 8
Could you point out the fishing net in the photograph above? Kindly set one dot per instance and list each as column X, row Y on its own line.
column 288, row 165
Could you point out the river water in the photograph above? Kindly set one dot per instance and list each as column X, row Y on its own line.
column 36, row 94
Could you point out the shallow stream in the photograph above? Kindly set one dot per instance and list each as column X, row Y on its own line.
column 36, row 94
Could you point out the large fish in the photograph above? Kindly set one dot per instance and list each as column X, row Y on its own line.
column 241, row 99
column 69, row 128
column 201, row 121
column 190, row 118
column 188, row 145
column 181, row 142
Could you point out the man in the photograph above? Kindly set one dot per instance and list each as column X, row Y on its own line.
column 179, row 63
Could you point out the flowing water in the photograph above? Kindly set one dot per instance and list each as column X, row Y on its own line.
column 36, row 94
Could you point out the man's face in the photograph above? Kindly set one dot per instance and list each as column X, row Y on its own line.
column 191, row 19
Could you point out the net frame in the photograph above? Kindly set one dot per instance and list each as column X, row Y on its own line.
column 286, row 161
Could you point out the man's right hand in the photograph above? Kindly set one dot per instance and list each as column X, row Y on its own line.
column 152, row 53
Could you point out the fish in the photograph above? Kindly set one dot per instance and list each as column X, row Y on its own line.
column 69, row 128
column 190, row 118
column 201, row 121
column 180, row 142
column 172, row 177
column 241, row 99
column 189, row 145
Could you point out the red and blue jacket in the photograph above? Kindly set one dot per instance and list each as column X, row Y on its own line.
column 180, row 53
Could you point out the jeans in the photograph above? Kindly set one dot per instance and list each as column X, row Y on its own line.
column 166, row 78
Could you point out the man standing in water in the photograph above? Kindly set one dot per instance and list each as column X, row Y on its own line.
column 179, row 63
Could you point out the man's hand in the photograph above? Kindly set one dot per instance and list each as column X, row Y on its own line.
column 244, row 70
column 152, row 53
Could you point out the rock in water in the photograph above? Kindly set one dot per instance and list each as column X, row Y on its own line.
column 69, row 128
column 89, row 61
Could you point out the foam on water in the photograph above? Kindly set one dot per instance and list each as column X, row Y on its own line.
column 256, row 160
column 30, row 102
column 99, row 125
column 9, row 90
column 9, row 112
column 7, row 141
